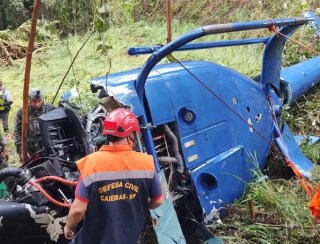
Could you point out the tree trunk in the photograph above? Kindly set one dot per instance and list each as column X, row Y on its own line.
column 3, row 16
column 70, row 11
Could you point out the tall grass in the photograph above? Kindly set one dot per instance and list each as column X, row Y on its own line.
column 50, row 64
column 280, row 215
column 281, row 206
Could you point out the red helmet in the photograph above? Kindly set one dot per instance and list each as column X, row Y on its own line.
column 120, row 122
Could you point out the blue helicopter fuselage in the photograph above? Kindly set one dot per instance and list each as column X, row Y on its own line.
column 224, row 122
column 215, row 119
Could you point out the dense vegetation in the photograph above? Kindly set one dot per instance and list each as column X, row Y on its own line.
column 112, row 26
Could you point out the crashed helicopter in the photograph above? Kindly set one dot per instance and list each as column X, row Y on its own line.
column 201, row 121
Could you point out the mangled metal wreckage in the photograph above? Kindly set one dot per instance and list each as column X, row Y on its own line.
column 201, row 121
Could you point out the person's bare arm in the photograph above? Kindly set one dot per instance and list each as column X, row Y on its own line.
column 76, row 213
column 155, row 203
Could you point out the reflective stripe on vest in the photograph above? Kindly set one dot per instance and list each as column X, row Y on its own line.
column 2, row 100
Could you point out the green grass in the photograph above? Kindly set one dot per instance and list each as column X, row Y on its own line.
column 50, row 64
column 282, row 216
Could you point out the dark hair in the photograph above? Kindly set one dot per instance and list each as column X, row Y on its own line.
column 112, row 138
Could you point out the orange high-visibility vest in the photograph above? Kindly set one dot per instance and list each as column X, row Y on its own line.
column 315, row 204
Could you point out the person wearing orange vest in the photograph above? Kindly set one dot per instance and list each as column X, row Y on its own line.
column 5, row 106
column 117, row 186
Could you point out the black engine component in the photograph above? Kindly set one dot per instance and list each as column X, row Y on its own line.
column 63, row 134
column 36, row 210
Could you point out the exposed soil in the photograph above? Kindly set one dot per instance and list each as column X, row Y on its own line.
column 276, row 166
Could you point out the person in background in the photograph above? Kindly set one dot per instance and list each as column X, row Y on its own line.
column 117, row 186
column 4, row 156
column 5, row 106
column 37, row 107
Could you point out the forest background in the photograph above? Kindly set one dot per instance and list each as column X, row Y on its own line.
column 99, row 33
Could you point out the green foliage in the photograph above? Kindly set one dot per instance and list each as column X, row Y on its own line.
column 281, row 206
column 78, row 16
column 312, row 152
column 45, row 31
column 304, row 116
column 103, row 48
column 205, row 12
column 100, row 24
column 281, row 215
column 6, row 35
column 308, row 47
